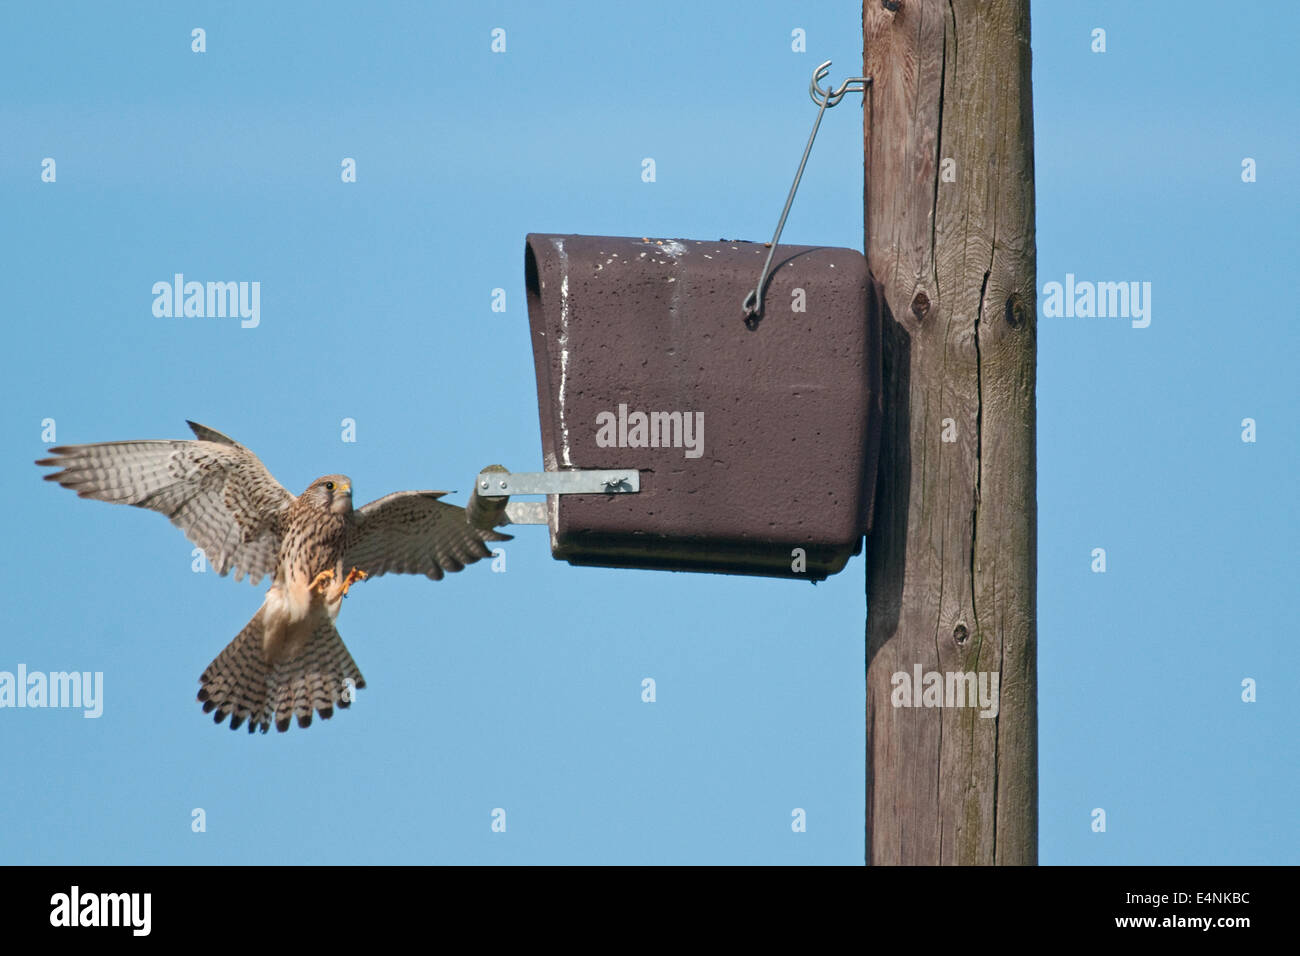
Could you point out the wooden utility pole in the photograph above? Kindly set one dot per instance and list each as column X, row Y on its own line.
column 951, row 561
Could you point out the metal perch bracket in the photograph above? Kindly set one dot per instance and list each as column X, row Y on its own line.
column 495, row 484
column 753, row 304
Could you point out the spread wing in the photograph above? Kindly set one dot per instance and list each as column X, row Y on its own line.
column 215, row 490
column 412, row 532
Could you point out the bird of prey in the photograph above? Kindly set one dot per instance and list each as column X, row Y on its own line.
column 289, row 660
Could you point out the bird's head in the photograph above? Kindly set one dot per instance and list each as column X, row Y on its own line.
column 332, row 493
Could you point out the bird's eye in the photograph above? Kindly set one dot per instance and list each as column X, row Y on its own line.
column 329, row 486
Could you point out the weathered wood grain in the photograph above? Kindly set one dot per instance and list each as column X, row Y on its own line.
column 951, row 561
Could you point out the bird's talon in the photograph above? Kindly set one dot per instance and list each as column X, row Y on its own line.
column 320, row 579
column 354, row 576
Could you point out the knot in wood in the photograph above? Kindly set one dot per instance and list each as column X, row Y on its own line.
column 960, row 634
column 920, row 305
column 1016, row 313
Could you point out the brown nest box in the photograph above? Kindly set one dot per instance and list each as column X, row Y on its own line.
column 756, row 448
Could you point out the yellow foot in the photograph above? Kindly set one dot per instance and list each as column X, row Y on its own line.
column 320, row 579
column 353, row 577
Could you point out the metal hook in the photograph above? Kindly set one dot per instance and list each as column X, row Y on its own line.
column 753, row 304
column 854, row 84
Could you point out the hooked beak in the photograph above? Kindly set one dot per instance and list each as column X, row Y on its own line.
column 342, row 498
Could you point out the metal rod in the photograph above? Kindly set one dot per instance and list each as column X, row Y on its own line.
column 753, row 304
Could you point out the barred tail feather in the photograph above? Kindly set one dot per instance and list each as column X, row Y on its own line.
column 242, row 685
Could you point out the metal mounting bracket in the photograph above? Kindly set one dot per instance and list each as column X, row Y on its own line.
column 495, row 484
column 498, row 484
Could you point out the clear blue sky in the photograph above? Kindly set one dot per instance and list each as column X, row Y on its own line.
column 521, row 690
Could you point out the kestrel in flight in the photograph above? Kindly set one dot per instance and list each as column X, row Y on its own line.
column 289, row 660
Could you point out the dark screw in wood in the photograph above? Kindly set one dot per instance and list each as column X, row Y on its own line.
column 920, row 305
